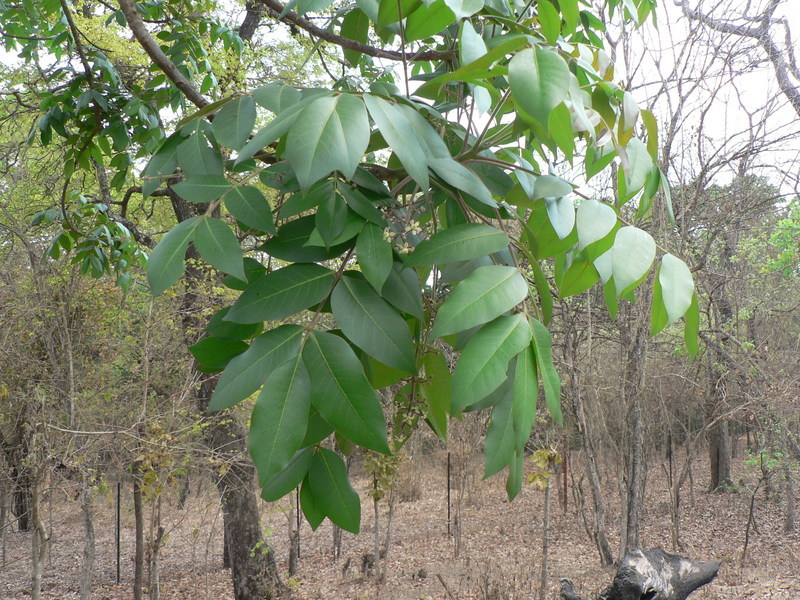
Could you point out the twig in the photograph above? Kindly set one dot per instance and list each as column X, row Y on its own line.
column 444, row 585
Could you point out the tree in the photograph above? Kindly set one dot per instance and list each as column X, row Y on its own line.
column 370, row 224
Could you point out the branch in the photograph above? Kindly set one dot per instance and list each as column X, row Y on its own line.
column 760, row 33
column 154, row 52
column 348, row 44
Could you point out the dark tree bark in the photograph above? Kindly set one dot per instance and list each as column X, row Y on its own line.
column 652, row 575
column 21, row 495
column 138, row 560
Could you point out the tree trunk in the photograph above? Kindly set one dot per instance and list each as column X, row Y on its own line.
column 719, row 451
column 138, row 559
column 545, row 544
column 21, row 495
column 253, row 569
column 87, row 563
column 788, row 522
column 599, row 521
column 39, row 537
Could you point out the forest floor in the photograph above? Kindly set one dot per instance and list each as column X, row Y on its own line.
column 499, row 556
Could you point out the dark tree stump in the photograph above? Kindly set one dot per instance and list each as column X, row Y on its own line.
column 652, row 575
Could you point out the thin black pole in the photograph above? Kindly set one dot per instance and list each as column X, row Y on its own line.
column 297, row 516
column 119, row 490
column 448, row 494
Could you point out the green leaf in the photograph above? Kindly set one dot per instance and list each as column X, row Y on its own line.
column 374, row 255
column 202, row 188
column 276, row 97
column 161, row 166
column 437, row 391
column 399, row 133
column 470, row 45
column 390, row 11
column 212, row 354
column 342, row 393
column 280, row 418
column 165, row 265
column 310, row 505
column 559, row 126
column 428, row 20
column 291, row 243
column 225, row 330
column 483, row 364
column 658, row 312
column 248, row 371
column 486, row 294
column 331, row 134
column 249, row 206
column 216, row 242
column 461, row 178
column 561, row 213
column 280, row 484
column 331, row 218
column 632, row 255
column 402, row 290
column 371, row 324
column 525, row 397
column 550, row 186
column 355, row 26
column 499, row 449
column 544, row 360
column 692, row 327
column 550, row 21
column 282, row 293
column 677, row 286
column 636, row 165
column 233, row 124
column 458, row 243
column 539, row 80
column 197, row 158
column 514, row 481
column 594, row 221
column 579, row 277
column 332, row 490
column 651, row 126
column 276, row 128
column 464, row 8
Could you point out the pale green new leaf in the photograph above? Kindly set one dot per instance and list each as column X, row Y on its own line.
column 280, row 418
column 539, row 80
column 637, row 167
column 483, row 364
column 248, row 371
column 464, row 8
column 331, row 134
column 282, row 293
column 631, row 257
column 458, row 243
column 371, row 324
column 341, row 392
column 486, row 294
column 216, row 242
column 561, row 213
column 595, row 221
column 677, row 286
column 197, row 157
column 470, row 45
column 165, row 265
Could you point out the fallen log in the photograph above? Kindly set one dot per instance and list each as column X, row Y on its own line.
column 652, row 575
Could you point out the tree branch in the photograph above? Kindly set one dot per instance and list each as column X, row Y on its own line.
column 154, row 52
column 760, row 33
column 348, row 44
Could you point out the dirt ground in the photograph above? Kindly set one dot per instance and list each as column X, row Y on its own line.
column 499, row 556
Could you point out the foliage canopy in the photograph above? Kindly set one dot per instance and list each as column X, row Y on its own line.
column 404, row 228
